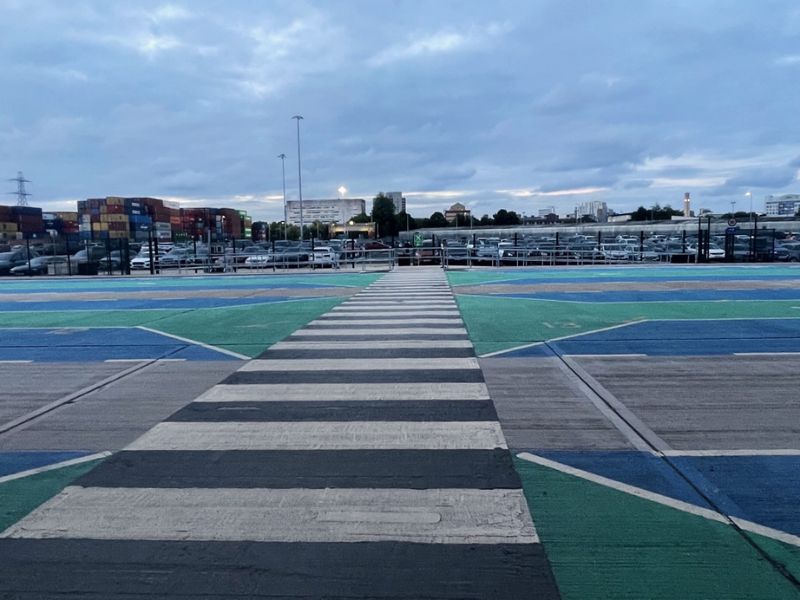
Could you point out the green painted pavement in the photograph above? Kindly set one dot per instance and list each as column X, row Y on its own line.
column 18, row 497
column 545, row 274
column 606, row 544
column 248, row 330
column 524, row 321
column 785, row 554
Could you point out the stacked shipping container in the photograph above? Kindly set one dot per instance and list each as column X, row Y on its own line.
column 115, row 217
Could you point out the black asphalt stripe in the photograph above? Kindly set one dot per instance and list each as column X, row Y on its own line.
column 155, row 570
column 339, row 410
column 421, row 326
column 366, row 376
column 377, row 352
column 410, row 337
column 307, row 469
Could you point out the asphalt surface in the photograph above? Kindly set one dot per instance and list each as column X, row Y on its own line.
column 319, row 475
column 625, row 433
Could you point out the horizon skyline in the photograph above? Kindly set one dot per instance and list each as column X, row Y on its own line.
column 514, row 105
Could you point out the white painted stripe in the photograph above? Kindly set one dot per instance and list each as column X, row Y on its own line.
column 736, row 452
column 360, row 364
column 195, row 342
column 348, row 311
column 610, row 355
column 624, row 487
column 323, row 435
column 126, row 360
column 766, row 353
column 378, row 332
column 572, row 336
column 395, row 309
column 499, row 352
column 59, row 465
column 775, row 534
column 344, row 391
column 434, row 516
column 411, row 320
column 396, row 301
column 15, row 362
column 369, row 345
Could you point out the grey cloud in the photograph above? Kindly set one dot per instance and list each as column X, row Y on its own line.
column 775, row 177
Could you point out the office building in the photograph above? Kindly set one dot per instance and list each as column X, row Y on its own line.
column 334, row 210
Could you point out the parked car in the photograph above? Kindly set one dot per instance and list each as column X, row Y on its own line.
column 38, row 265
column 427, row 253
column 324, row 256
column 14, row 258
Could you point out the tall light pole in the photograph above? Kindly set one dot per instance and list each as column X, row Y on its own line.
column 299, row 174
column 750, row 214
column 282, row 156
column 733, row 208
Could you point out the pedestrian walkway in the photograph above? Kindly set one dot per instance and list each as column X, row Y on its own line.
column 360, row 457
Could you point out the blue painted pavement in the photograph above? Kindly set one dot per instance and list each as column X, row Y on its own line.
column 97, row 344
column 139, row 304
column 660, row 296
column 761, row 489
column 16, row 462
column 693, row 337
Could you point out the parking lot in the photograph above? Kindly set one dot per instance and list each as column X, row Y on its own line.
column 651, row 413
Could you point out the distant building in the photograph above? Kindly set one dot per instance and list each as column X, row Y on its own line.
column 458, row 213
column 549, row 210
column 334, row 210
column 687, row 205
column 398, row 200
column 782, row 206
column 597, row 209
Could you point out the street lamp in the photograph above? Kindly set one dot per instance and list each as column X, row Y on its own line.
column 750, row 214
column 283, row 172
column 298, row 118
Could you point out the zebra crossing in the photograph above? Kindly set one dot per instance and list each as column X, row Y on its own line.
column 361, row 457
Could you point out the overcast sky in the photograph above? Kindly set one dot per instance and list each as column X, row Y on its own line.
column 518, row 105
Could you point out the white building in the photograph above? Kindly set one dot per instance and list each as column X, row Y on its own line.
column 335, row 210
column 597, row 209
column 782, row 206
column 398, row 201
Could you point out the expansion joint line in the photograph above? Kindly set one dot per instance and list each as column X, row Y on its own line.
column 75, row 396
column 660, row 449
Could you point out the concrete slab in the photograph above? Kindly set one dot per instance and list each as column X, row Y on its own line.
column 325, row 435
column 707, row 403
column 115, row 415
column 540, row 408
column 440, row 516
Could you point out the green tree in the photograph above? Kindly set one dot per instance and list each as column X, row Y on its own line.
column 383, row 215
column 362, row 218
column 504, row 217
column 437, row 220
column 404, row 221
column 486, row 220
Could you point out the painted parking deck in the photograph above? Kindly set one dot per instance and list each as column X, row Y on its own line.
column 671, row 395
column 412, row 493
column 99, row 344
column 414, row 470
